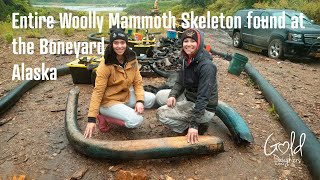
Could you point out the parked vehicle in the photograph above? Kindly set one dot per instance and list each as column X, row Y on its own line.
column 278, row 42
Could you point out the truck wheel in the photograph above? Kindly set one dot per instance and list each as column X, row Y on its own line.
column 237, row 42
column 275, row 49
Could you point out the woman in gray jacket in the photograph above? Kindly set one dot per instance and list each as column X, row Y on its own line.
column 192, row 101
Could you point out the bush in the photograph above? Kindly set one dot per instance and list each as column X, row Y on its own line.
column 227, row 7
column 8, row 37
column 32, row 33
column 198, row 11
column 144, row 8
column 139, row 9
column 311, row 9
column 5, row 27
column 10, row 6
column 68, row 32
column 177, row 10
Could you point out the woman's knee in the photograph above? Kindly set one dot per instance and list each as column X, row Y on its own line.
column 161, row 114
column 162, row 96
column 149, row 99
column 134, row 121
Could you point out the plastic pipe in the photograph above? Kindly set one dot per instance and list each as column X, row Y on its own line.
column 93, row 37
column 290, row 121
column 235, row 123
column 15, row 94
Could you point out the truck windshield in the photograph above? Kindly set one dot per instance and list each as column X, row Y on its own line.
column 289, row 15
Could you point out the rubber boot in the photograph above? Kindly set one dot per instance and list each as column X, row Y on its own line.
column 102, row 124
column 105, row 120
column 115, row 121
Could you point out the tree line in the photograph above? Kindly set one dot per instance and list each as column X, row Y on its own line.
column 309, row 7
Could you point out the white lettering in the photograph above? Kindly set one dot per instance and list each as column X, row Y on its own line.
column 20, row 47
column 31, row 21
column 76, row 48
column 16, row 72
column 67, row 20
column 285, row 146
column 36, row 73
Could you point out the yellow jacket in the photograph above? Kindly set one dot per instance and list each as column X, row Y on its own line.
column 113, row 82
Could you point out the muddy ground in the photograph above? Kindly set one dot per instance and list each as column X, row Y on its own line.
column 33, row 142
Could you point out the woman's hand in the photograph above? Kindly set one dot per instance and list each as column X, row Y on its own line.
column 89, row 129
column 139, row 107
column 192, row 136
column 171, row 102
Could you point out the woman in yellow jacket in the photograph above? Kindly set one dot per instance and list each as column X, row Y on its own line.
column 118, row 89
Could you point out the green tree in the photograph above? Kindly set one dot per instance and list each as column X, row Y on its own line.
column 9, row 6
column 201, row 3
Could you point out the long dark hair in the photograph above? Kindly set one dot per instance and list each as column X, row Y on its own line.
column 113, row 55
